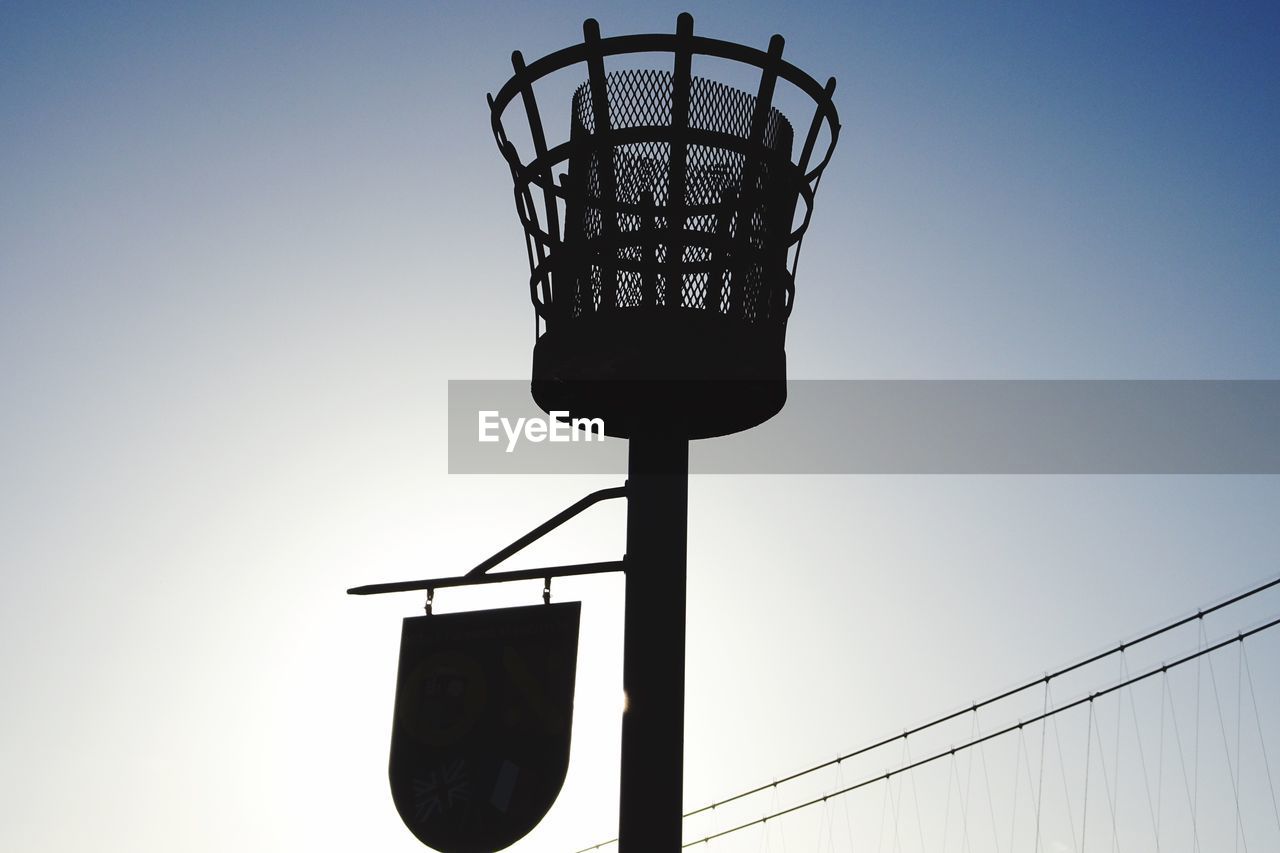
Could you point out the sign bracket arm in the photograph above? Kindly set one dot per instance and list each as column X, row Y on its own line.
column 479, row 575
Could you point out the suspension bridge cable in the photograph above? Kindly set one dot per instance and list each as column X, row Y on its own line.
column 1226, row 747
column 1182, row 762
column 884, row 777
column 1262, row 741
column 1066, row 787
column 1044, row 679
column 1088, row 754
column 1044, row 731
column 1142, row 760
column 1239, row 714
column 975, row 706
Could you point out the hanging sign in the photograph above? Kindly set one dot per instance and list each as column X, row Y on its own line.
column 483, row 714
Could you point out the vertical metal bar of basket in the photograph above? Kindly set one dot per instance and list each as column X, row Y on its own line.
column 749, row 197
column 603, row 139
column 513, row 162
column 806, row 154
column 721, row 249
column 575, row 263
column 811, row 138
column 533, row 248
column 677, row 170
column 648, row 249
column 652, row 786
column 544, row 174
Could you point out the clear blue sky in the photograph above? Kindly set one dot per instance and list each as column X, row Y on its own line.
column 243, row 248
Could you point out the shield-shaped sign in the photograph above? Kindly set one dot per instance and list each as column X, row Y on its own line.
column 483, row 715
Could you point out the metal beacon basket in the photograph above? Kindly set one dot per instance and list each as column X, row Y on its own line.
column 663, row 233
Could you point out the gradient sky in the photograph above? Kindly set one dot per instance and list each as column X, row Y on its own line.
column 243, row 248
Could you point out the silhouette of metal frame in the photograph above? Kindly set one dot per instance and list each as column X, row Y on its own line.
column 641, row 223
column 479, row 575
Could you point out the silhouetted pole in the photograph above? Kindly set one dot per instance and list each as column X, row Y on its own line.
column 652, row 787
column 662, row 238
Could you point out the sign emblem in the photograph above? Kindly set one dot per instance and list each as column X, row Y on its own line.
column 483, row 716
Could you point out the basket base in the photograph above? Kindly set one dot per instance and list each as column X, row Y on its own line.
column 653, row 371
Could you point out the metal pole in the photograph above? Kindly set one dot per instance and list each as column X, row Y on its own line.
column 652, row 785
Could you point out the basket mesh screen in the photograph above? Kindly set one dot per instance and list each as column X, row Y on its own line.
column 731, row 255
